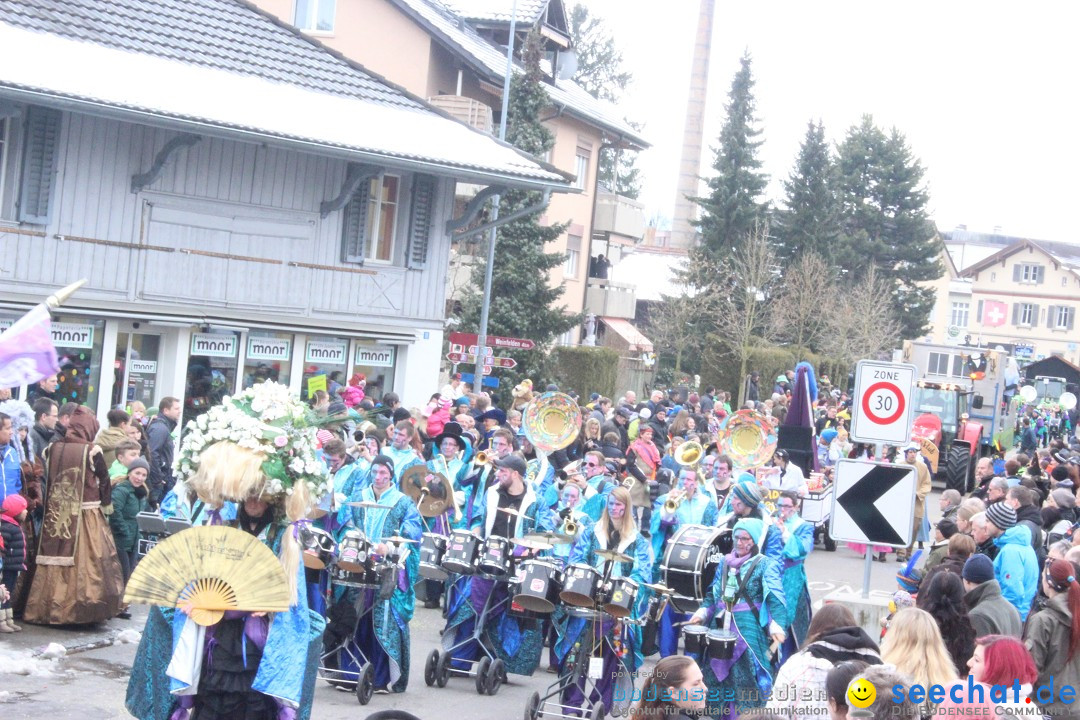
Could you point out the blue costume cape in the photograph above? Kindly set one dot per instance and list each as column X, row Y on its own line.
column 797, row 546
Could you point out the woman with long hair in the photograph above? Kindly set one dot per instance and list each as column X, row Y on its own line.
column 833, row 638
column 1052, row 635
column 915, row 647
column 619, row 643
column 591, row 438
column 748, row 589
column 969, row 508
column 680, row 426
column 944, row 600
column 997, row 660
column 675, row 689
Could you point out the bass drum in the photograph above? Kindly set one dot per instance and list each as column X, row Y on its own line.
column 690, row 561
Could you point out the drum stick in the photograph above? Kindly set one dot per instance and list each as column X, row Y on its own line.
column 680, row 624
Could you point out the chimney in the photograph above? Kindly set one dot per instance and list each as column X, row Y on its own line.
column 683, row 234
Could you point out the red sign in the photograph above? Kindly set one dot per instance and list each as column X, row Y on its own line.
column 503, row 362
column 883, row 403
column 994, row 313
column 494, row 341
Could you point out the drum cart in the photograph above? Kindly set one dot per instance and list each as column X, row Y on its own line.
column 575, row 672
column 489, row 672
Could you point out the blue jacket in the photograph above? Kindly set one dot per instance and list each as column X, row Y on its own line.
column 10, row 472
column 1017, row 568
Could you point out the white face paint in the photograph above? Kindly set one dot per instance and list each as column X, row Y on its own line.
column 616, row 509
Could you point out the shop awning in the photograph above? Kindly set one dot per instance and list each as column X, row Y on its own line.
column 626, row 330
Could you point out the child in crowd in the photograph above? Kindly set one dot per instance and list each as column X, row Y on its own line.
column 14, row 556
column 127, row 451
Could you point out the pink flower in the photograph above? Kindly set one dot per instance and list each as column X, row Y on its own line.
column 281, row 441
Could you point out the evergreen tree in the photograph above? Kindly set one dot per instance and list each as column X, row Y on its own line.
column 523, row 302
column 809, row 220
column 735, row 204
column 885, row 223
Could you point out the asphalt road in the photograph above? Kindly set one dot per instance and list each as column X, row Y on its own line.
column 92, row 683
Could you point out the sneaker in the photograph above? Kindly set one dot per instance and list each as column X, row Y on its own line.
column 382, row 690
column 124, row 615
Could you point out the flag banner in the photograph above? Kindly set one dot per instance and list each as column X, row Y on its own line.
column 27, row 353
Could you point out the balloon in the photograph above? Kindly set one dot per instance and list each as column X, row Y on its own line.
column 1029, row 393
column 1067, row 400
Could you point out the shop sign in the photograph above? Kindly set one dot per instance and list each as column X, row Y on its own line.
column 326, row 353
column 73, row 336
column 211, row 345
column 143, row 367
column 375, row 355
column 267, row 348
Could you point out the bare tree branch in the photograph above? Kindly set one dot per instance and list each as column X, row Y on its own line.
column 801, row 305
column 862, row 325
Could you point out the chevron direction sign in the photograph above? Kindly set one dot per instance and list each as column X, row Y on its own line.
column 873, row 503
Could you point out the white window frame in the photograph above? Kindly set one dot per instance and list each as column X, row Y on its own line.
column 961, row 311
column 375, row 219
column 581, row 168
column 310, row 23
column 1029, row 273
column 1025, row 317
column 954, row 364
column 573, row 262
column 1064, row 313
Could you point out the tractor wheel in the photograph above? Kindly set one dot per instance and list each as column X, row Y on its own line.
column 958, row 466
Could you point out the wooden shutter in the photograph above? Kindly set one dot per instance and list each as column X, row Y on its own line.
column 1017, row 272
column 1016, row 314
column 1051, row 317
column 40, row 151
column 1034, row 315
column 420, row 216
column 354, row 224
column 978, row 312
column 1040, row 274
column 1072, row 314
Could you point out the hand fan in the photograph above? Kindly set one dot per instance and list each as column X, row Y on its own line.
column 207, row 571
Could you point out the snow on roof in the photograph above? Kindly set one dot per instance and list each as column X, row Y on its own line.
column 490, row 60
column 528, row 11
column 133, row 85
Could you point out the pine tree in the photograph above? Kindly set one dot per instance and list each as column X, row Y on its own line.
column 809, row 219
column 885, row 223
column 734, row 204
column 523, row 303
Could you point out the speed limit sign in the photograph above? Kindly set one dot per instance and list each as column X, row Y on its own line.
column 881, row 410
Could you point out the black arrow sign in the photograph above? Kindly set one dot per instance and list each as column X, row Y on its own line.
column 860, row 502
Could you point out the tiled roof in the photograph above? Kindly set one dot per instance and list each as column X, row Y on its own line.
column 528, row 11
column 490, row 61
column 224, row 64
column 224, row 34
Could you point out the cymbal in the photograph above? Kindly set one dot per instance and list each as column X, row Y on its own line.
column 432, row 500
column 614, row 556
column 532, row 543
column 399, row 539
column 659, row 588
column 551, row 538
column 366, row 504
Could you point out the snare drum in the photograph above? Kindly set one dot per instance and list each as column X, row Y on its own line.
column 619, row 600
column 691, row 559
column 495, row 557
column 461, row 553
column 348, row 578
column 581, row 585
column 538, row 586
column 354, row 552
column 720, row 644
column 318, row 547
column 432, row 549
column 694, row 639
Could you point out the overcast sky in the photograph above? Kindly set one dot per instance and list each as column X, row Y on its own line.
column 984, row 91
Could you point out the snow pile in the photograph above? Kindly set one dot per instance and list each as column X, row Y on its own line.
column 5, row 696
column 25, row 663
column 126, row 637
column 54, row 651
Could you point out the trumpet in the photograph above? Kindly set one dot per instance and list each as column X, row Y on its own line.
column 483, row 458
column 570, row 528
column 674, row 501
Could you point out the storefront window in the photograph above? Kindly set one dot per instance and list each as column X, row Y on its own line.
column 267, row 357
column 211, row 370
column 78, row 348
column 325, row 363
column 376, row 363
column 136, row 369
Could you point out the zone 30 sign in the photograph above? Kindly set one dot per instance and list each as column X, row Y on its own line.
column 881, row 411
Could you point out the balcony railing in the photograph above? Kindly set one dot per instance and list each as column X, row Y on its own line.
column 605, row 298
column 619, row 217
column 470, row 111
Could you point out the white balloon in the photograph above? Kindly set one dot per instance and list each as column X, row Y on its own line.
column 1029, row 393
column 1067, row 400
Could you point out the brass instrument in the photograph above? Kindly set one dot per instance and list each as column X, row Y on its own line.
column 689, row 454
column 483, row 458
column 570, row 528
column 674, row 500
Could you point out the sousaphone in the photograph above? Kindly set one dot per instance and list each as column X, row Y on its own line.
column 748, row 438
column 551, row 421
column 431, row 500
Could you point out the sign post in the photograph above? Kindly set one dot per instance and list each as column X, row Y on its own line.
column 882, row 407
column 873, row 503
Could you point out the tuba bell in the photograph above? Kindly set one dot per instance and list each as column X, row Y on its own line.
column 689, row 454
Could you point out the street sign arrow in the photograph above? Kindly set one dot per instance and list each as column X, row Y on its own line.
column 494, row 341
column 873, row 503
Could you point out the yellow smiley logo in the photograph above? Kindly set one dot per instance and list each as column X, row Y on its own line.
column 861, row 693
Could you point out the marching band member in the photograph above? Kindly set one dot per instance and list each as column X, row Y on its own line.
column 449, row 444
column 383, row 634
column 746, row 499
column 569, row 510
column 747, row 590
column 517, row 642
column 601, row 477
column 691, row 507
column 475, row 481
column 718, row 482
column 620, row 642
column 401, row 451
column 798, row 537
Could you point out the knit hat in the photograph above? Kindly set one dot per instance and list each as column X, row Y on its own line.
column 336, row 408
column 947, row 528
column 1001, row 515
column 13, row 505
column 385, row 461
column 901, row 599
column 748, row 494
column 909, row 578
column 978, row 569
column 401, row 414
column 139, row 463
column 1063, row 498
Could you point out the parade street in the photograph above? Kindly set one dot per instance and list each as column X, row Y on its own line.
column 92, row 683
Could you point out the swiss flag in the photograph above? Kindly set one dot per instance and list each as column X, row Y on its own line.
column 994, row 313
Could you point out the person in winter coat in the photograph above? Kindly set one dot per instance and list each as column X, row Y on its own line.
column 129, row 499
column 989, row 612
column 14, row 555
column 160, row 431
column 1022, row 500
column 943, row 531
column 997, row 661
column 833, row 638
column 1058, row 515
column 1016, row 566
column 943, row 598
column 10, row 471
column 958, row 550
column 113, row 435
column 1053, row 635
